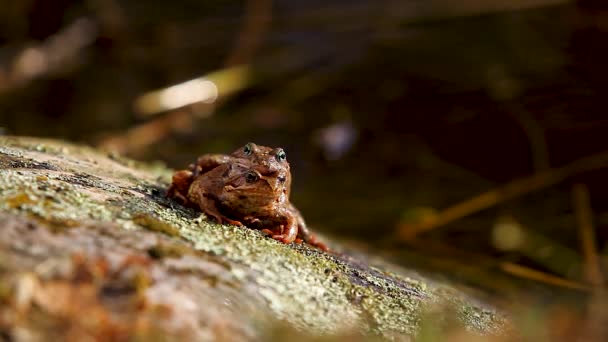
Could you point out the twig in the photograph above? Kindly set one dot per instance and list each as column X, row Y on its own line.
column 448, row 253
column 561, row 260
column 542, row 277
column 586, row 229
column 136, row 139
column 258, row 16
column 189, row 96
column 535, row 134
column 506, row 192
column 58, row 52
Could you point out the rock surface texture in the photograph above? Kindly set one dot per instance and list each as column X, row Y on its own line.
column 91, row 249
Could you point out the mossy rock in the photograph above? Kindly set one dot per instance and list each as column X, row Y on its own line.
column 90, row 245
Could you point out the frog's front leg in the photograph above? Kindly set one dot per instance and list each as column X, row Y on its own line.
column 207, row 204
column 180, row 184
column 207, row 162
column 289, row 231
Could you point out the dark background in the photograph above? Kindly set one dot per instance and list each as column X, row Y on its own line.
column 390, row 111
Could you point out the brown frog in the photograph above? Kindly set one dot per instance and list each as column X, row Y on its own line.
column 264, row 159
column 250, row 187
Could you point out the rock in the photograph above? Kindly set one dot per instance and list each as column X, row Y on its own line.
column 91, row 248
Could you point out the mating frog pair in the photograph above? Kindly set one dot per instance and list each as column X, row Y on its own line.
column 251, row 187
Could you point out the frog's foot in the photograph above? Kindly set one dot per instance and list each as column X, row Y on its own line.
column 207, row 162
column 208, row 206
column 221, row 219
column 288, row 233
column 279, row 237
column 253, row 221
column 267, row 232
column 232, row 222
column 196, row 170
column 282, row 238
column 312, row 240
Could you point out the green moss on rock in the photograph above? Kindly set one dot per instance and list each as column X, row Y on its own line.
column 316, row 292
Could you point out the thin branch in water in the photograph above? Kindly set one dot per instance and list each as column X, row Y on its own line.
column 586, row 230
column 258, row 16
column 197, row 98
column 58, row 52
column 536, row 137
column 136, row 139
column 541, row 277
column 514, row 189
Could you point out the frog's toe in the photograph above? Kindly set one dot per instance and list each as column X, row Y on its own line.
column 312, row 240
column 253, row 220
column 232, row 222
column 283, row 238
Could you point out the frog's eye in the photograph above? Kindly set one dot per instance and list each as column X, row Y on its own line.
column 280, row 155
column 248, row 149
column 251, row 177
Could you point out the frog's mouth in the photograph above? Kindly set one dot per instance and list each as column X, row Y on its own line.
column 259, row 189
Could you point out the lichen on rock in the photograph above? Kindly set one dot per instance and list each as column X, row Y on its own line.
column 96, row 228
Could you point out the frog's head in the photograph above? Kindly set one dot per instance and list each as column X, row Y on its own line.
column 266, row 160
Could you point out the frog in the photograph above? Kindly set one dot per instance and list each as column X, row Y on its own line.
column 239, row 194
column 265, row 159
column 249, row 187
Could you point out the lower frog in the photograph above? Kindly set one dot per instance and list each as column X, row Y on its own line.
column 238, row 191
